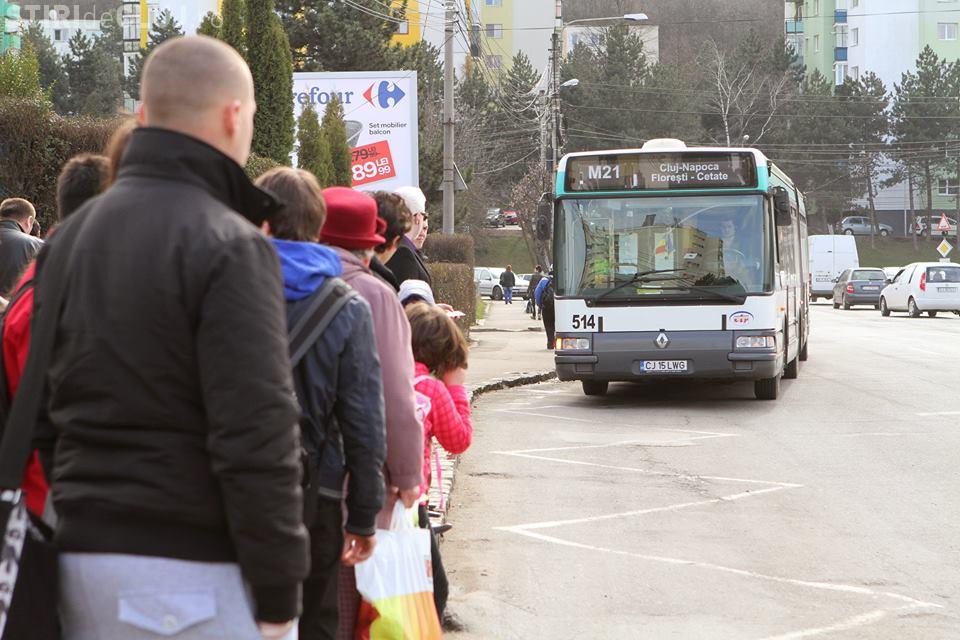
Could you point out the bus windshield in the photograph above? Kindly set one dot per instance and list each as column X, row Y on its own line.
column 651, row 248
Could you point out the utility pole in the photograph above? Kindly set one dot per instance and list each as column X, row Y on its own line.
column 555, row 91
column 449, row 118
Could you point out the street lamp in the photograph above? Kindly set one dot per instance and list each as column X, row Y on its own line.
column 555, row 80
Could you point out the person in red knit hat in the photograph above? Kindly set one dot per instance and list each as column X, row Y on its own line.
column 353, row 229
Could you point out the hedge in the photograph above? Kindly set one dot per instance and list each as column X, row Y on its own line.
column 456, row 248
column 453, row 285
column 35, row 143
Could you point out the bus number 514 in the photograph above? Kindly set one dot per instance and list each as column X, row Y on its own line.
column 584, row 322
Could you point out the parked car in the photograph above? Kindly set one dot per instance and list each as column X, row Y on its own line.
column 921, row 227
column 920, row 287
column 860, row 226
column 487, row 280
column 494, row 219
column 511, row 218
column 829, row 256
column 858, row 286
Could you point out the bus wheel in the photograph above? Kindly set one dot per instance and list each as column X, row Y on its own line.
column 792, row 370
column 767, row 388
column 595, row 387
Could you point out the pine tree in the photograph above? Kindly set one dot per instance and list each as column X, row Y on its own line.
column 80, row 72
column 270, row 59
column 919, row 117
column 332, row 37
column 232, row 29
column 335, row 131
column 162, row 29
column 210, row 25
column 313, row 153
column 20, row 73
column 53, row 76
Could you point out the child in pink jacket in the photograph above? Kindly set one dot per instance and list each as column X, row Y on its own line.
column 440, row 352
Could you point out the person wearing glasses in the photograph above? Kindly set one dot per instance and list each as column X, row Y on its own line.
column 407, row 263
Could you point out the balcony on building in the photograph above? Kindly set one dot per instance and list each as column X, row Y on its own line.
column 840, row 16
column 840, row 54
column 794, row 26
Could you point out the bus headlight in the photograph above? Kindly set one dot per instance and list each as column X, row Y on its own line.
column 573, row 344
column 756, row 342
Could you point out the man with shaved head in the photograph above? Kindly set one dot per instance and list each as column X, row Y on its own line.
column 171, row 434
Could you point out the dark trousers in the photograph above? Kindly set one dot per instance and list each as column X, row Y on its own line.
column 441, row 588
column 320, row 619
column 549, row 325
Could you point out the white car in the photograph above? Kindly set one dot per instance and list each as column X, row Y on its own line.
column 923, row 287
column 487, row 280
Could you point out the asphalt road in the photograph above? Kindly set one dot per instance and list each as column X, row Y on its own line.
column 690, row 510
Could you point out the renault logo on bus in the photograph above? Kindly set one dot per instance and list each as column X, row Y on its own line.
column 662, row 341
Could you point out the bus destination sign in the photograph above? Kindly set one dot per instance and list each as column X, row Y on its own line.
column 662, row 171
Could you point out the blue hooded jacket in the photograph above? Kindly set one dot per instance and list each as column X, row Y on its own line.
column 305, row 266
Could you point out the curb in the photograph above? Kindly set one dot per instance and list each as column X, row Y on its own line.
column 453, row 461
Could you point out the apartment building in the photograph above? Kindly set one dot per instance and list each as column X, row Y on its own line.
column 846, row 38
column 497, row 29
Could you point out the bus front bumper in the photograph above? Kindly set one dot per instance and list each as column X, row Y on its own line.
column 704, row 354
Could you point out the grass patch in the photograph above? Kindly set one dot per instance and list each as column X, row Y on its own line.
column 897, row 252
column 503, row 249
column 481, row 308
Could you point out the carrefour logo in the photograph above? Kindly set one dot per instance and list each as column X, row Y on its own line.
column 384, row 94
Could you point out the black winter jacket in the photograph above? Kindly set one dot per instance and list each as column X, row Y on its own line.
column 508, row 279
column 407, row 263
column 172, row 414
column 341, row 395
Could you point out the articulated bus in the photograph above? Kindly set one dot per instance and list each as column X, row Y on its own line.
column 674, row 261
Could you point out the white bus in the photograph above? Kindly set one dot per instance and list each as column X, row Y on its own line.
column 679, row 262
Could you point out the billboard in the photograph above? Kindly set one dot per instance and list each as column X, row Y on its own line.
column 380, row 109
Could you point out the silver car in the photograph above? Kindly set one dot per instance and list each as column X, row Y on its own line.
column 860, row 226
column 487, row 280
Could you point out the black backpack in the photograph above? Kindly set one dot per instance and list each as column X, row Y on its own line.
column 325, row 304
column 547, row 295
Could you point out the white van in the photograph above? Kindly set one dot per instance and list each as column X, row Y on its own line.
column 829, row 257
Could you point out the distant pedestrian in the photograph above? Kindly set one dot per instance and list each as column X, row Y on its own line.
column 393, row 211
column 440, row 351
column 353, row 229
column 532, row 289
column 341, row 398
column 407, row 263
column 172, row 433
column 508, row 280
column 17, row 247
column 82, row 178
column 544, row 297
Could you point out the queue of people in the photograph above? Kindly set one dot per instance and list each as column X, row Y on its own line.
column 234, row 396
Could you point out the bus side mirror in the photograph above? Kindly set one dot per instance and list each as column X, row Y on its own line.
column 781, row 207
column 544, row 219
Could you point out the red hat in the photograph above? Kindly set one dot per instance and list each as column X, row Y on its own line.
column 352, row 220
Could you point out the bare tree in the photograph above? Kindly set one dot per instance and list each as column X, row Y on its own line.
column 746, row 95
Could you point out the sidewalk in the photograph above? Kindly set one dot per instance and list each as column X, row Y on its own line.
column 508, row 350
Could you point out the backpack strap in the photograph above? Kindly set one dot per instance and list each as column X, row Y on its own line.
column 325, row 304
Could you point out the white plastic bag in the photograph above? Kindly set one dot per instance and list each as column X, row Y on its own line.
column 396, row 585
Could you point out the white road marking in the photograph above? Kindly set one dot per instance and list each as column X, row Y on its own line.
column 939, row 413
column 679, row 476
column 822, row 586
column 641, row 512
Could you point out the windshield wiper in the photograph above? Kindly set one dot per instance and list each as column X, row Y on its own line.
column 635, row 278
column 710, row 292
